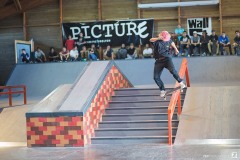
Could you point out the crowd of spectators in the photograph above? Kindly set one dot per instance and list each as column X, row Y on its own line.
column 204, row 44
column 196, row 45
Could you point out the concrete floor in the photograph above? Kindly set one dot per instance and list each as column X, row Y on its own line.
column 123, row 152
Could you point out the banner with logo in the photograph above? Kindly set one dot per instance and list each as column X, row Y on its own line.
column 199, row 24
column 114, row 33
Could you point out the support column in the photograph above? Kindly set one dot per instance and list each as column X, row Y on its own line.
column 220, row 16
column 60, row 21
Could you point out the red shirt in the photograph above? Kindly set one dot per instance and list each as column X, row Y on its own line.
column 70, row 44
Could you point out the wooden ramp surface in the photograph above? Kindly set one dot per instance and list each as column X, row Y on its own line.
column 210, row 116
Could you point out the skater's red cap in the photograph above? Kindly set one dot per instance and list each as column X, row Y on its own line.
column 164, row 35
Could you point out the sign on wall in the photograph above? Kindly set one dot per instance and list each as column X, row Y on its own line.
column 114, row 33
column 199, row 24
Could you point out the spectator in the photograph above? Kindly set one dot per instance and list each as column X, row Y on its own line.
column 204, row 40
column 25, row 56
column 74, row 54
column 69, row 44
column 52, row 55
column 213, row 45
column 224, row 42
column 236, row 43
column 40, row 55
column 131, row 52
column 95, row 50
column 92, row 55
column 195, row 44
column 108, row 54
column 81, row 41
column 122, row 52
column 147, row 52
column 184, row 44
column 179, row 31
column 64, row 54
column 84, row 53
column 174, row 38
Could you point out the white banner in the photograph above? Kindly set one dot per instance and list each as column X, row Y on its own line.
column 199, row 24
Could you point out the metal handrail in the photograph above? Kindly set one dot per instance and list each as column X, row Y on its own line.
column 10, row 92
column 176, row 98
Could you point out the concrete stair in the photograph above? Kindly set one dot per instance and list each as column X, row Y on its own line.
column 136, row 115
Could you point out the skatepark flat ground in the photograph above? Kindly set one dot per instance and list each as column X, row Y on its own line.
column 224, row 73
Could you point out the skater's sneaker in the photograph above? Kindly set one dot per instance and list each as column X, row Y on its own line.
column 182, row 85
column 162, row 93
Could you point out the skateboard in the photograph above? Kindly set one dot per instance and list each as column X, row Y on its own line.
column 171, row 91
column 214, row 48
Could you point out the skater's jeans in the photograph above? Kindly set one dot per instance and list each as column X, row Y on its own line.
column 160, row 64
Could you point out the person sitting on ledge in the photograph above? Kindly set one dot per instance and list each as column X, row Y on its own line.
column 84, row 53
column 40, row 55
column 52, row 55
column 108, row 54
column 122, row 52
column 224, row 42
column 236, row 43
column 131, row 52
column 64, row 54
column 204, row 40
column 184, row 44
column 147, row 52
column 195, row 44
column 213, row 45
column 74, row 54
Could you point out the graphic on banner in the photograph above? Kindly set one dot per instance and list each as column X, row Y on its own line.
column 199, row 24
column 111, row 32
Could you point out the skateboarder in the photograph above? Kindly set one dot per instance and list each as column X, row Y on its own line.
column 164, row 59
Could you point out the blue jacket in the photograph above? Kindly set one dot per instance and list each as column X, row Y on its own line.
column 223, row 40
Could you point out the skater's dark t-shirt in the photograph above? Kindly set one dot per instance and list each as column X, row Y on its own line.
column 162, row 48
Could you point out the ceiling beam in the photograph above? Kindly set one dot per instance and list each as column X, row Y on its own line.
column 25, row 5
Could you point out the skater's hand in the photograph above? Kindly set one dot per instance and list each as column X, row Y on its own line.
column 176, row 51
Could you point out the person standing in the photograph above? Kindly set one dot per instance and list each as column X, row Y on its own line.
column 179, row 31
column 81, row 41
column 70, row 43
column 164, row 60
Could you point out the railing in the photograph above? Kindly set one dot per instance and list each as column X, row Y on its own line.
column 10, row 92
column 176, row 98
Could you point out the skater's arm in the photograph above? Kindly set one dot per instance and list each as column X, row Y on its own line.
column 154, row 39
column 175, row 48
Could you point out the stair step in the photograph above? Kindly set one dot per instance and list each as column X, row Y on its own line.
column 127, row 91
column 131, row 140
column 140, row 103
column 135, row 110
column 133, row 117
column 138, row 124
column 149, row 97
column 117, row 132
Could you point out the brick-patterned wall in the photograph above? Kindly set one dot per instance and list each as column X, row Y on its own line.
column 113, row 80
column 75, row 131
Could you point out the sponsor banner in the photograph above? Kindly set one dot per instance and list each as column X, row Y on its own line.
column 199, row 24
column 114, row 33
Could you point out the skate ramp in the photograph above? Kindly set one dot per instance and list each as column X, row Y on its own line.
column 13, row 124
column 203, row 71
column 210, row 115
column 41, row 79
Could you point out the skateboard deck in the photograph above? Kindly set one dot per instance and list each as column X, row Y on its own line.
column 214, row 48
column 171, row 91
